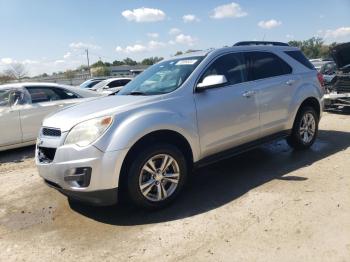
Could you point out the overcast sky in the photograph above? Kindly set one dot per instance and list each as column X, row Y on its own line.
column 48, row 36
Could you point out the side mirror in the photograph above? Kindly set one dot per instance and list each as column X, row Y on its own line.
column 212, row 81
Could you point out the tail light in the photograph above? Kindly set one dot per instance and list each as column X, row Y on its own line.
column 320, row 79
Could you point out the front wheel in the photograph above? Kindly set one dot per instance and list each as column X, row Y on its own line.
column 156, row 176
column 305, row 129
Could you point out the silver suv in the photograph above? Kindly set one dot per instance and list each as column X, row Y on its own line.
column 181, row 113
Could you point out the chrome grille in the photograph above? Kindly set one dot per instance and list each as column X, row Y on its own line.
column 51, row 132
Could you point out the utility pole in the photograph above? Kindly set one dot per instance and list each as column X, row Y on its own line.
column 88, row 60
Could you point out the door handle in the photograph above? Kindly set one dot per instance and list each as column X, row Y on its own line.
column 290, row 82
column 248, row 94
column 61, row 105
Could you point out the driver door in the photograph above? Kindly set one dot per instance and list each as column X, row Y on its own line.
column 227, row 115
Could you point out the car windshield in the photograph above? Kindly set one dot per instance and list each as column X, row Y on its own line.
column 163, row 77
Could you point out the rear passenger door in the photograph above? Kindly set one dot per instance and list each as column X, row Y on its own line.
column 227, row 116
column 275, row 84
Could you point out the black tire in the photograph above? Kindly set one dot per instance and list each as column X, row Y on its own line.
column 295, row 140
column 134, row 173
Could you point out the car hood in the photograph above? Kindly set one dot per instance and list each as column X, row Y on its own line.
column 68, row 117
column 341, row 55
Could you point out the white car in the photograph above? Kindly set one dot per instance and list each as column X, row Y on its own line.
column 111, row 85
column 23, row 107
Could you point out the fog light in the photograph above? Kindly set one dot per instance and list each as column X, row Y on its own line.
column 78, row 176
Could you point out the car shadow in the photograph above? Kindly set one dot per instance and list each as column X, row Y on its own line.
column 17, row 155
column 223, row 182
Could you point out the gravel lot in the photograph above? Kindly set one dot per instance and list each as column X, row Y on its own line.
column 270, row 204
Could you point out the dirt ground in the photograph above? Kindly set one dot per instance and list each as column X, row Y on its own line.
column 270, row 204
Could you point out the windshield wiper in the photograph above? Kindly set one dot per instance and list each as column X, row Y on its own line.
column 137, row 93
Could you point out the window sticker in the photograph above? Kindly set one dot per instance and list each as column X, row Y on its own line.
column 187, row 62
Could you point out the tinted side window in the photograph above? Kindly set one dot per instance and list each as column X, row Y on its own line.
column 125, row 81
column 265, row 65
column 115, row 83
column 65, row 94
column 42, row 94
column 232, row 66
column 297, row 55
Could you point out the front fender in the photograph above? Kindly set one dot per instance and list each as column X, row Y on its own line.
column 127, row 130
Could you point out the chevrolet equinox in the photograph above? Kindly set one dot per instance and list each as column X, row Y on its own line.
column 181, row 113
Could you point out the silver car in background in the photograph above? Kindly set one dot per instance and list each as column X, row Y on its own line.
column 23, row 107
column 111, row 85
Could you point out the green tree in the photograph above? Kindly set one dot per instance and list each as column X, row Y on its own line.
column 178, row 53
column 98, row 64
column 151, row 60
column 129, row 61
column 313, row 47
column 118, row 63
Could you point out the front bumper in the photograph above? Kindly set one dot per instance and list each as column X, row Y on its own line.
column 83, row 173
column 105, row 197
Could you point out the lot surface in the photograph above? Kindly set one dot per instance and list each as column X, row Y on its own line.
column 270, row 204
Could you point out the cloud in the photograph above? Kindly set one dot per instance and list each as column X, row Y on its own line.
column 59, row 61
column 29, row 62
column 7, row 61
column 340, row 32
column 144, row 14
column 155, row 45
column 289, row 36
column 269, row 24
column 190, row 18
column 185, row 39
column 140, row 48
column 153, row 35
column 67, row 55
column 174, row 31
column 232, row 10
column 81, row 45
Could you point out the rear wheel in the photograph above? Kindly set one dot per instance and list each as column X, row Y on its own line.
column 305, row 129
column 156, row 176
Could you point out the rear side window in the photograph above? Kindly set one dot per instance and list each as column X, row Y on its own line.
column 65, row 94
column 46, row 94
column 42, row 94
column 297, row 55
column 265, row 65
column 232, row 66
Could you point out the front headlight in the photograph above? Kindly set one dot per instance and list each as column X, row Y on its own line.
column 85, row 133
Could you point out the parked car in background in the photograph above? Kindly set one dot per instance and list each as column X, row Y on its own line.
column 326, row 67
column 23, row 106
column 339, row 89
column 91, row 82
column 111, row 85
column 184, row 112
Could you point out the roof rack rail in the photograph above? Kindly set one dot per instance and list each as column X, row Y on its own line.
column 244, row 43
